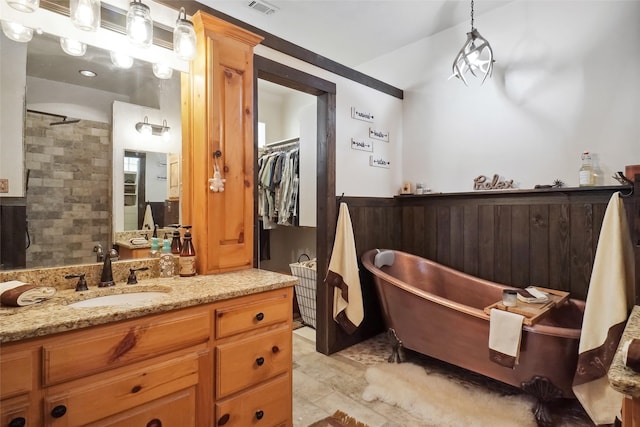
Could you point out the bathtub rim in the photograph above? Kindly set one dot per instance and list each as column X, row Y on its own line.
column 538, row 328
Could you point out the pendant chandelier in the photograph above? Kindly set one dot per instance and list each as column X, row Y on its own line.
column 475, row 57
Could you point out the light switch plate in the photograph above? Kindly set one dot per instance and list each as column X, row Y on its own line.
column 4, row 185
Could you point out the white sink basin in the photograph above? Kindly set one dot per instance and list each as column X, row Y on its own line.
column 132, row 299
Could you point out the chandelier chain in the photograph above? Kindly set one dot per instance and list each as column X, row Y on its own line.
column 472, row 15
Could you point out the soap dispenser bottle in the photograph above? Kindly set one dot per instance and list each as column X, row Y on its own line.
column 167, row 261
column 176, row 244
column 187, row 259
column 155, row 248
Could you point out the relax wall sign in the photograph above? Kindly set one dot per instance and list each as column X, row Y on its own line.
column 361, row 115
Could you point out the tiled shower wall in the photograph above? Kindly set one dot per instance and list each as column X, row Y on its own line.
column 68, row 190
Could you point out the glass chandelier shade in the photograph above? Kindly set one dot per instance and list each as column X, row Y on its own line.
column 17, row 32
column 85, row 14
column 475, row 57
column 73, row 47
column 184, row 37
column 24, row 5
column 139, row 24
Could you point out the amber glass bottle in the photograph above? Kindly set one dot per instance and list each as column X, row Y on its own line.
column 187, row 259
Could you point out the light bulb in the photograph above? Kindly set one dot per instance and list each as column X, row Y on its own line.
column 184, row 37
column 17, row 32
column 162, row 71
column 121, row 60
column 85, row 14
column 139, row 24
column 73, row 47
column 24, row 5
column 166, row 135
column 146, row 130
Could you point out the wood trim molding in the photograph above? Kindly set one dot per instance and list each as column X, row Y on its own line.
column 293, row 50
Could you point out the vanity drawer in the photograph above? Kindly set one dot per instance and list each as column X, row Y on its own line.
column 176, row 410
column 87, row 352
column 85, row 401
column 234, row 319
column 16, row 372
column 249, row 361
column 268, row 405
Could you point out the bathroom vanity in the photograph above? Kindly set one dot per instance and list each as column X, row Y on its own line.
column 208, row 350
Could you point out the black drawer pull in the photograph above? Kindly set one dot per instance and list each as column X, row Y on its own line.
column 260, row 361
column 58, row 411
column 275, row 349
column 259, row 316
column 18, row 422
column 154, row 423
column 259, row 414
column 223, row 420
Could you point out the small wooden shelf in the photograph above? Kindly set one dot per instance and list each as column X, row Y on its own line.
column 533, row 313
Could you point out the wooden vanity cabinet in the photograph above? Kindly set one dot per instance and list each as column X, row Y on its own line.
column 217, row 126
column 231, row 360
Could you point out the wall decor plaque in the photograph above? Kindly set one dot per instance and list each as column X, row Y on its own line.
column 379, row 162
column 481, row 183
column 361, row 145
column 361, row 115
column 382, row 135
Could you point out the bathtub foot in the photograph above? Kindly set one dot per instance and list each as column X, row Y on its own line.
column 544, row 391
column 396, row 344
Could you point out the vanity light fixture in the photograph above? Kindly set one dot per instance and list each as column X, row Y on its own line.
column 184, row 37
column 148, row 129
column 139, row 24
column 73, row 47
column 162, row 71
column 475, row 57
column 85, row 14
column 121, row 60
column 17, row 32
column 165, row 131
column 24, row 5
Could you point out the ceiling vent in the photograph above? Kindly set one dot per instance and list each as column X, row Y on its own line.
column 263, row 7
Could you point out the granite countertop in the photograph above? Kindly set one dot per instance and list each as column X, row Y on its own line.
column 621, row 378
column 54, row 316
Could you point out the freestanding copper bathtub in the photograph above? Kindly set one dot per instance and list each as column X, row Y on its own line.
column 438, row 311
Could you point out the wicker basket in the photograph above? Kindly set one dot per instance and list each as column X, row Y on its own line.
column 306, row 289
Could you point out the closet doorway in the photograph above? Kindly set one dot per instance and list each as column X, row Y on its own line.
column 318, row 108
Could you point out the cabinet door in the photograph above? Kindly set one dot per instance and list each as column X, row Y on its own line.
column 218, row 131
column 176, row 410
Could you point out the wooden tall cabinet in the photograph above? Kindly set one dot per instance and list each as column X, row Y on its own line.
column 217, row 117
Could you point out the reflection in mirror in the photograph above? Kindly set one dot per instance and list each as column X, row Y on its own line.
column 69, row 196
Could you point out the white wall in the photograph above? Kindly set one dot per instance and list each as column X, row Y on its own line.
column 12, row 100
column 354, row 176
column 565, row 81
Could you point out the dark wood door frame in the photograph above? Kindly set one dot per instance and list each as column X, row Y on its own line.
column 326, row 211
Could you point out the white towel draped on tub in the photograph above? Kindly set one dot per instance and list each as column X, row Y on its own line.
column 505, row 333
column 609, row 301
column 348, row 310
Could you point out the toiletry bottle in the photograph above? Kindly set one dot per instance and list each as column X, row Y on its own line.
column 176, row 244
column 587, row 177
column 155, row 248
column 167, row 262
column 187, row 259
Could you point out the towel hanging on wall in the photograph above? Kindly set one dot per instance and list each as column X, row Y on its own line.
column 609, row 300
column 147, row 223
column 343, row 275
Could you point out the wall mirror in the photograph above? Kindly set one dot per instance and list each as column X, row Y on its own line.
column 76, row 132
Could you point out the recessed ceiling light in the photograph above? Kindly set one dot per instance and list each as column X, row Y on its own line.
column 88, row 73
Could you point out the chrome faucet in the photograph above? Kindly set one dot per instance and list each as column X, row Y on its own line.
column 99, row 252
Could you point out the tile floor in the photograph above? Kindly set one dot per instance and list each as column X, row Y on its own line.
column 323, row 384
